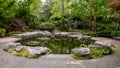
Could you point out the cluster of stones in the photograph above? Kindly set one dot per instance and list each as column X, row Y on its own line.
column 81, row 51
column 33, row 51
column 86, row 51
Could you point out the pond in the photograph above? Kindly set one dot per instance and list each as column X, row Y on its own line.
column 57, row 45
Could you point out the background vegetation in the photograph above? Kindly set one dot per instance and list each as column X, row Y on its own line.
column 97, row 15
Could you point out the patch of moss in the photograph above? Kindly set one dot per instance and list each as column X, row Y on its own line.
column 77, row 57
column 80, row 57
column 114, row 48
column 23, row 53
column 2, row 32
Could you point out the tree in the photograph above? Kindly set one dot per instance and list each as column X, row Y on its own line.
column 29, row 10
column 45, row 11
column 6, row 11
column 89, row 10
column 59, row 8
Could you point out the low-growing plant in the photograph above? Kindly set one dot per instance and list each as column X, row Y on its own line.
column 83, row 45
column 77, row 57
column 99, row 52
column 89, row 32
column 13, row 32
column 80, row 57
column 31, row 43
column 114, row 48
column 22, row 52
column 2, row 32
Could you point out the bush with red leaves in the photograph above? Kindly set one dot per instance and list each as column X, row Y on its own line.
column 16, row 25
column 115, row 4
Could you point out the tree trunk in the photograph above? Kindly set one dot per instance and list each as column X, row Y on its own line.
column 62, row 1
column 94, row 19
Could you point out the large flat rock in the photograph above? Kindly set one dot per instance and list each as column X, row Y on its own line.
column 8, row 39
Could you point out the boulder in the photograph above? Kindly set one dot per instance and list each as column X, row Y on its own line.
column 61, row 34
column 28, row 35
column 82, row 51
column 87, row 37
column 11, row 45
column 100, row 43
column 75, row 36
column 19, row 48
column 103, row 45
column 68, row 34
column 41, row 50
column 38, row 50
column 30, row 50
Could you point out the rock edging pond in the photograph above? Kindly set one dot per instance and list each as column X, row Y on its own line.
column 87, row 49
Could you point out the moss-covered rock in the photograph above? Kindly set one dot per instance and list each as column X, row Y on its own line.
column 26, row 51
column 81, row 53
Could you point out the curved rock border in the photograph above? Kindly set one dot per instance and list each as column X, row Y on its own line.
column 38, row 51
column 31, row 52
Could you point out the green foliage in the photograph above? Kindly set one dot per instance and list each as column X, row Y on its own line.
column 77, row 57
column 13, row 32
column 83, row 45
column 89, row 32
column 6, row 8
column 22, row 52
column 91, row 10
column 6, row 11
column 114, row 48
column 28, row 10
column 99, row 52
column 80, row 57
column 2, row 32
column 109, row 27
column 31, row 43
column 64, row 24
column 62, row 12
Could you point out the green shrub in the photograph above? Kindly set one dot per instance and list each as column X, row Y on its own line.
column 115, row 33
column 2, row 32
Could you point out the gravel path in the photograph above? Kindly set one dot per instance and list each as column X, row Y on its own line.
column 8, row 60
